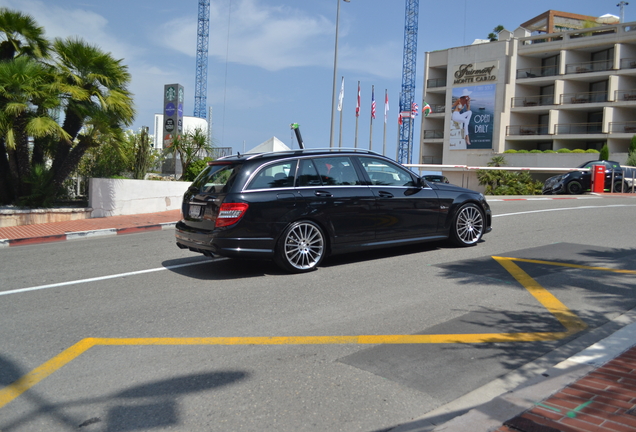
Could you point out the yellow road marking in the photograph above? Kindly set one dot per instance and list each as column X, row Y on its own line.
column 566, row 317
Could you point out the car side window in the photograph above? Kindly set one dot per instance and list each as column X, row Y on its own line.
column 274, row 176
column 307, row 174
column 337, row 171
column 383, row 173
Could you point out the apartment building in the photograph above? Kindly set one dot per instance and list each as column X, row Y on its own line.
column 559, row 81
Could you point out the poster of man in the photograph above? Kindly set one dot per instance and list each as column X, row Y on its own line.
column 472, row 117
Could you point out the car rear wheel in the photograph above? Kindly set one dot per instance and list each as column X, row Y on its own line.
column 574, row 188
column 468, row 226
column 301, row 248
column 619, row 186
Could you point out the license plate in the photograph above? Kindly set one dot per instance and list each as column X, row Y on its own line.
column 195, row 211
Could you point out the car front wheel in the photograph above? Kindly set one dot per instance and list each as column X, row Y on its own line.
column 301, row 248
column 468, row 226
column 574, row 188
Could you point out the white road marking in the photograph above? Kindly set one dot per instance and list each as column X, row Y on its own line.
column 101, row 278
column 563, row 209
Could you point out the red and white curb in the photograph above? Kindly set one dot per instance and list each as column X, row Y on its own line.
column 85, row 234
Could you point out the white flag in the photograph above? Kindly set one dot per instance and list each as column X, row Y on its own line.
column 341, row 96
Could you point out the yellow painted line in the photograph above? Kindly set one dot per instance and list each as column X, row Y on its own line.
column 560, row 264
column 560, row 311
column 15, row 389
column 568, row 319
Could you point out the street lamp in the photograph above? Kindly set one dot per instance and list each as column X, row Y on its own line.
column 335, row 72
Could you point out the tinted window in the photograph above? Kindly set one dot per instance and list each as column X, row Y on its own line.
column 217, row 178
column 273, row 176
column 386, row 174
column 307, row 174
column 337, row 171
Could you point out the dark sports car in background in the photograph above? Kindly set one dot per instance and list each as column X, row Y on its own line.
column 297, row 207
column 577, row 182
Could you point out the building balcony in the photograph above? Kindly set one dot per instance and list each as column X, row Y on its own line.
column 583, row 97
column 536, row 72
column 436, row 82
column 438, row 108
column 585, row 67
column 623, row 127
column 526, row 130
column 625, row 95
column 434, row 134
column 628, row 63
column 578, row 128
column 531, row 101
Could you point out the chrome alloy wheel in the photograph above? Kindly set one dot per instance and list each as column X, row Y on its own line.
column 469, row 225
column 304, row 246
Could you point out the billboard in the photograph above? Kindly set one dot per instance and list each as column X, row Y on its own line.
column 473, row 105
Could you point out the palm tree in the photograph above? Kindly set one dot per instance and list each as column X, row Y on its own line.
column 494, row 36
column 96, row 93
column 21, row 36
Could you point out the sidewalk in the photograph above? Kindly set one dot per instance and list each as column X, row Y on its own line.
column 60, row 231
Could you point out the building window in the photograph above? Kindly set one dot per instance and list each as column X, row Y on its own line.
column 550, row 65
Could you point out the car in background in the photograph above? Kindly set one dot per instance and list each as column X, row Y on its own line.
column 578, row 182
column 297, row 207
column 436, row 178
column 629, row 177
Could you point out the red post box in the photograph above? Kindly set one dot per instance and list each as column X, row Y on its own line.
column 598, row 178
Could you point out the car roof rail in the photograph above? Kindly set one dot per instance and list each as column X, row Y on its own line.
column 311, row 150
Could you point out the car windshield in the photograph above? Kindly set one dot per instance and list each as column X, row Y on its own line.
column 217, row 177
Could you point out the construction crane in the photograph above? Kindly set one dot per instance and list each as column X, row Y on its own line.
column 203, row 41
column 407, row 95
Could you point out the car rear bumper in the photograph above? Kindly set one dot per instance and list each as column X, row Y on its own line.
column 209, row 244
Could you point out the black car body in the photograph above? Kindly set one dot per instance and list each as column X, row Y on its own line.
column 577, row 182
column 296, row 207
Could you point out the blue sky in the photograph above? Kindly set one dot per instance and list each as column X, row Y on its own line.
column 275, row 64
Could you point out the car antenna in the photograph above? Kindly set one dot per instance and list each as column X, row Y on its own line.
column 296, row 128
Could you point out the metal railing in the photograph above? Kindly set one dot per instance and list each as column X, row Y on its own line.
column 583, row 97
column 530, row 101
column 527, row 130
column 578, row 128
column 628, row 63
column 625, row 95
column 538, row 71
column 623, row 127
column 433, row 133
column 436, row 82
column 438, row 108
column 592, row 66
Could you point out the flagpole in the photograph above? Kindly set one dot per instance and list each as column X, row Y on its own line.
column 386, row 108
column 372, row 115
column 355, row 142
column 340, row 103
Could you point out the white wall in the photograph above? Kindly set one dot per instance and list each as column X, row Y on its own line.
column 115, row 197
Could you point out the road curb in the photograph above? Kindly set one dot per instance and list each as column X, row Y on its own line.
column 85, row 234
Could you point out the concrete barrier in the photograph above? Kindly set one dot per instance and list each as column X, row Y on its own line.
column 114, row 197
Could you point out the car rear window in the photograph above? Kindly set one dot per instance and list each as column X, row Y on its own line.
column 217, row 177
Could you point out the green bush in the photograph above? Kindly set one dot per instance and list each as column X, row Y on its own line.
column 510, row 151
column 508, row 182
column 195, row 168
column 523, row 151
column 578, row 151
column 535, row 151
column 564, row 150
column 591, row 151
column 549, row 151
column 604, row 154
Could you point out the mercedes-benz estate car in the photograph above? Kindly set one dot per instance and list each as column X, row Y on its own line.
column 297, row 207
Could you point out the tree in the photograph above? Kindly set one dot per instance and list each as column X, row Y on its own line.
column 631, row 153
column 494, row 36
column 189, row 147
column 41, row 82
column 604, row 154
column 507, row 182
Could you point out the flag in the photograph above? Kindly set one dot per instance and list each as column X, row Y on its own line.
column 358, row 103
column 372, row 103
column 414, row 109
column 426, row 109
column 386, row 104
column 341, row 96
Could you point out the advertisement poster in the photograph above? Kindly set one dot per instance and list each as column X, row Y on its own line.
column 472, row 117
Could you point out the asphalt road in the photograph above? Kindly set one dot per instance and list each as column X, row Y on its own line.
column 130, row 333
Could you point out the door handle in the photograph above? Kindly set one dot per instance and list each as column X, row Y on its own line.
column 323, row 194
column 385, row 194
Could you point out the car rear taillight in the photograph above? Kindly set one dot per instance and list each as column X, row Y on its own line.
column 230, row 213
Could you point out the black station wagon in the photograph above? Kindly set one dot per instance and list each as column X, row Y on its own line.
column 298, row 206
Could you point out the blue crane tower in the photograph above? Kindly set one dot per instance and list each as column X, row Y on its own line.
column 407, row 95
column 203, row 41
